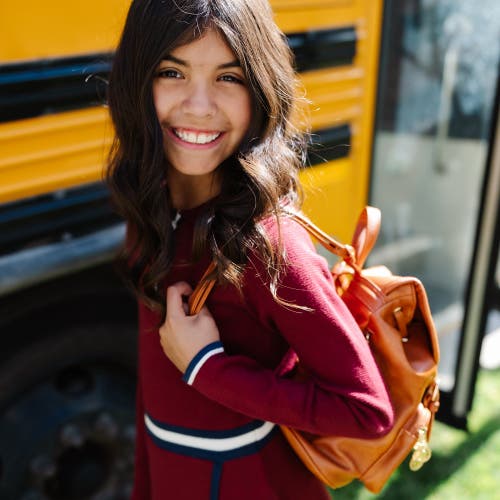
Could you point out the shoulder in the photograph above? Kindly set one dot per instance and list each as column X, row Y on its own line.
column 283, row 231
column 304, row 277
column 301, row 263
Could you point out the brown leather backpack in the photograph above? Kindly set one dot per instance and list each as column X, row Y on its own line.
column 394, row 314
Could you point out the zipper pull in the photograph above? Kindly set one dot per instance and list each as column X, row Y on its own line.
column 421, row 451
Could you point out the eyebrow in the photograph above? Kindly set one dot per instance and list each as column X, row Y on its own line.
column 181, row 62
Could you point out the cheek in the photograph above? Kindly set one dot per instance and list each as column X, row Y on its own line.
column 160, row 101
column 157, row 100
column 244, row 113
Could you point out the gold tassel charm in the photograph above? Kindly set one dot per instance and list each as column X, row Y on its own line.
column 421, row 451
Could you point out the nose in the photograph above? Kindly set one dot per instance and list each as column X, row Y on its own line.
column 199, row 100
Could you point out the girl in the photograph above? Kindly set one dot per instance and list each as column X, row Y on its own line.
column 205, row 157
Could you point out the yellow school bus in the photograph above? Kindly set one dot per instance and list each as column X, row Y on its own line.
column 54, row 130
column 389, row 101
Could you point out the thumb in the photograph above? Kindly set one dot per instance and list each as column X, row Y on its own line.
column 175, row 294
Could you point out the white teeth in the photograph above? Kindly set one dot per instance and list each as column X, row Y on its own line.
column 196, row 138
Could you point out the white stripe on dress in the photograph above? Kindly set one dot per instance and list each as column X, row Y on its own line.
column 211, row 444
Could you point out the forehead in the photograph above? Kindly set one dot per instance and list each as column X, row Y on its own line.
column 211, row 48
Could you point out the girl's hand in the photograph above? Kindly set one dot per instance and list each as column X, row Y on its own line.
column 183, row 336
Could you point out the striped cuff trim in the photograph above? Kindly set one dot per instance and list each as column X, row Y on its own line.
column 199, row 360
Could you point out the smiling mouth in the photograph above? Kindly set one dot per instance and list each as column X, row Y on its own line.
column 193, row 137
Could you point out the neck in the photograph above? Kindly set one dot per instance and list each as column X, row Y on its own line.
column 190, row 191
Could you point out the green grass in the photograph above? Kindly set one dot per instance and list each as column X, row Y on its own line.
column 464, row 465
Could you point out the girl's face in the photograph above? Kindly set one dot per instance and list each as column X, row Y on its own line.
column 203, row 106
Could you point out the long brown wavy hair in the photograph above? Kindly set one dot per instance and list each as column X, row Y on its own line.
column 261, row 174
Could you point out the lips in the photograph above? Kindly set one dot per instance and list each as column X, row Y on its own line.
column 196, row 136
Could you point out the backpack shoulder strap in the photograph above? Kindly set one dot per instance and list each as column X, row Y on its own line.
column 365, row 236
column 331, row 244
column 366, row 233
column 201, row 292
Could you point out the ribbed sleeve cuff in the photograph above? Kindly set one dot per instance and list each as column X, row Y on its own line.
column 199, row 360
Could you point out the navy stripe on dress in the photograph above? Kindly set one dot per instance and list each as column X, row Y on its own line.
column 216, row 446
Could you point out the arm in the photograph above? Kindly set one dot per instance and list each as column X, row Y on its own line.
column 345, row 394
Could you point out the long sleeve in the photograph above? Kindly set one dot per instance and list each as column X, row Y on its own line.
column 344, row 395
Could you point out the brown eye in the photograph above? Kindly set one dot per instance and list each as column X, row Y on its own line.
column 168, row 73
column 231, row 79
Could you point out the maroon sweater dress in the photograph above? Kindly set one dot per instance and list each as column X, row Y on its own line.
column 211, row 433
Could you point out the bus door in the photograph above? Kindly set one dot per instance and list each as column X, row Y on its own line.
column 436, row 175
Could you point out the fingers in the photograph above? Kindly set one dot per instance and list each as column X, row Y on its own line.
column 175, row 294
column 204, row 312
column 183, row 336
